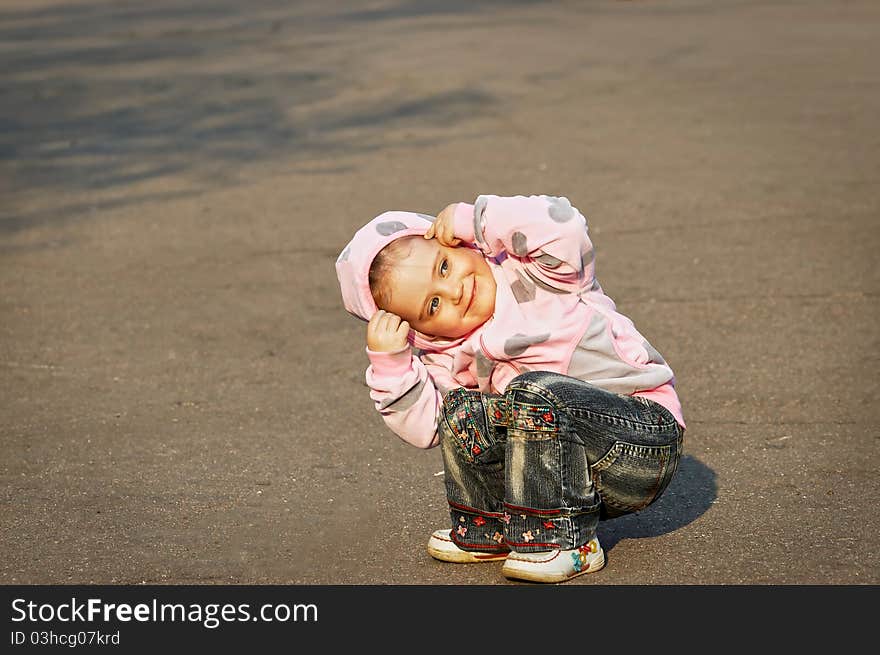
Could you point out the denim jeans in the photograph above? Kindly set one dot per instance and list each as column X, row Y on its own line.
column 537, row 467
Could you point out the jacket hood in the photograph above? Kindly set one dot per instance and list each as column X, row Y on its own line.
column 353, row 263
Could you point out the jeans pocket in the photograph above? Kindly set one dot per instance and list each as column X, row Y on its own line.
column 464, row 416
column 629, row 477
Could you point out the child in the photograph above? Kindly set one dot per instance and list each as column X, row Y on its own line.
column 488, row 334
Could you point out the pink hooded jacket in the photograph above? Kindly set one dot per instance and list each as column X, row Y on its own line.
column 550, row 314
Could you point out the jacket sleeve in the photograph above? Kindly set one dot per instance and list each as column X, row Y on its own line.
column 407, row 395
column 547, row 234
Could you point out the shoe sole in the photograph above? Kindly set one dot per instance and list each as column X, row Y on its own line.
column 511, row 570
column 459, row 556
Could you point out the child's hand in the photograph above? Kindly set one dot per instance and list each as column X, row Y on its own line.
column 442, row 227
column 386, row 332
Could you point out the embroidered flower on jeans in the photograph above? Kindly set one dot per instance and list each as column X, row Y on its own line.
column 461, row 531
column 498, row 537
column 506, row 517
column 479, row 520
column 528, row 536
column 549, row 524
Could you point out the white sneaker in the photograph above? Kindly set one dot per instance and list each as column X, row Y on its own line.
column 441, row 546
column 555, row 565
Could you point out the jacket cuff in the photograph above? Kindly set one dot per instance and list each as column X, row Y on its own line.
column 390, row 364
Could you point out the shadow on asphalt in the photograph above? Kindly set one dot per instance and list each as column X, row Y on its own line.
column 689, row 495
column 101, row 96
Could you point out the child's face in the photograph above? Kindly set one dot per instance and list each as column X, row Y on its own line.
column 442, row 291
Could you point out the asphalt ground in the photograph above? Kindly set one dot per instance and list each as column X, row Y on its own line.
column 183, row 396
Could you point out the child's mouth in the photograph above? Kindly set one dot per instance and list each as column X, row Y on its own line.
column 473, row 295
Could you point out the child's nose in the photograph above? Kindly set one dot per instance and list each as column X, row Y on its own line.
column 455, row 290
column 459, row 292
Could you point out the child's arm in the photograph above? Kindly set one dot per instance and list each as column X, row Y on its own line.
column 401, row 387
column 544, row 231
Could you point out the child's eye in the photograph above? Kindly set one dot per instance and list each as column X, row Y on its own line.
column 432, row 308
column 444, row 266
